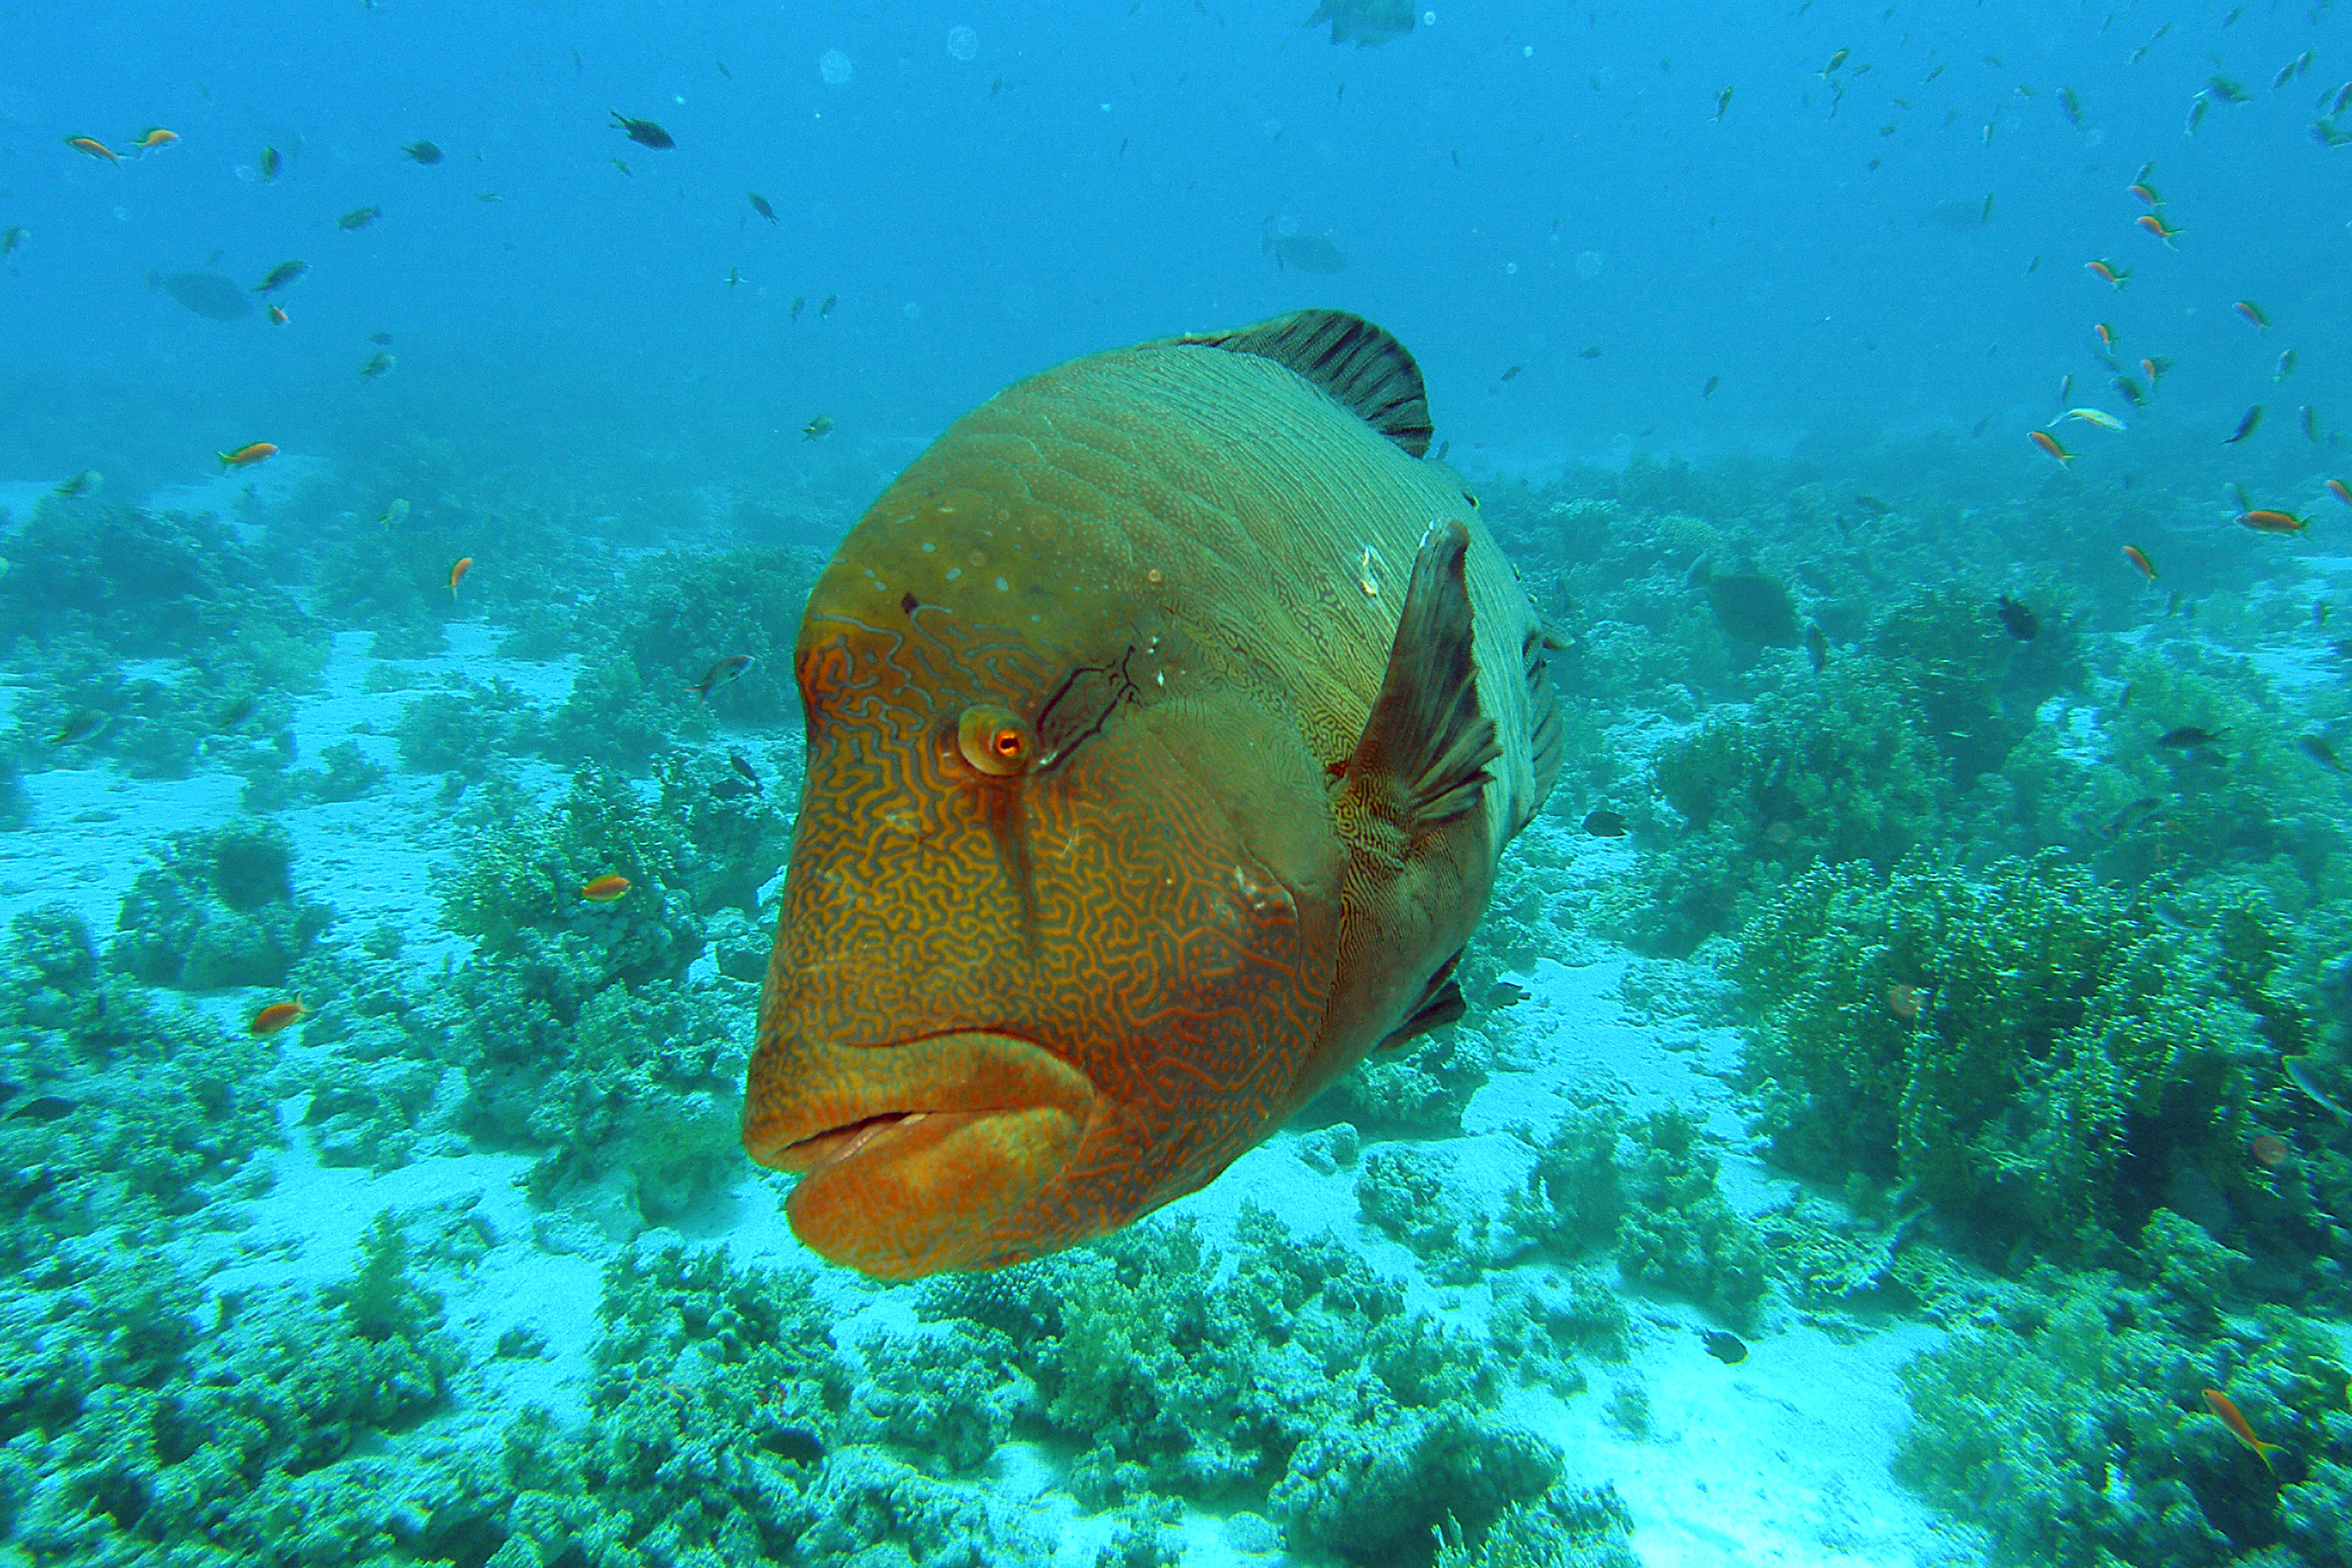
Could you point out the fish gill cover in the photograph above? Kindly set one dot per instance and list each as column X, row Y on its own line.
column 1892, row 1103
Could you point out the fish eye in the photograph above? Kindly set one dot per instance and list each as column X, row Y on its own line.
column 993, row 740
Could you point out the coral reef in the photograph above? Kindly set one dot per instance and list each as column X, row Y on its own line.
column 2070, row 1422
column 580, row 1034
column 218, row 908
column 1646, row 1188
column 1298, row 1377
column 119, row 1116
column 2039, row 1056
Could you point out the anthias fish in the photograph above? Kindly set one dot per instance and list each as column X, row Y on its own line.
column 1130, row 820
column 276, row 1017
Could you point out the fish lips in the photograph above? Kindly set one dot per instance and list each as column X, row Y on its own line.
column 913, row 1155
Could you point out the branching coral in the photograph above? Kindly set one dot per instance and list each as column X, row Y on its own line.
column 2034, row 1053
column 1647, row 1188
column 2072, row 1425
column 218, row 910
column 1299, row 1377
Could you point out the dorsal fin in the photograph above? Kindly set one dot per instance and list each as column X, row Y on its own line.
column 1368, row 372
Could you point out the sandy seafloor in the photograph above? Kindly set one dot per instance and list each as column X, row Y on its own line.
column 1780, row 1459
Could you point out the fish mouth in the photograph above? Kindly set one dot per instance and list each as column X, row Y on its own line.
column 913, row 1156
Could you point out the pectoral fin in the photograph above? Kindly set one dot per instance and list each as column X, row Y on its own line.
column 1440, row 1005
column 1421, row 759
column 1411, row 808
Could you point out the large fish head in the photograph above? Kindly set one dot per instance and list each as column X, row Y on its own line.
column 1061, row 915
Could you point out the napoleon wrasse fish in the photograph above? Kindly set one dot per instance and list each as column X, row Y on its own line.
column 1136, row 810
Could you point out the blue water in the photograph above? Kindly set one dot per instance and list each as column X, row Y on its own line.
column 1792, row 248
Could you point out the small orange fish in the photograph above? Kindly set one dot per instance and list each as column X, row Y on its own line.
column 605, row 888
column 2266, row 521
column 2108, row 274
column 2252, row 312
column 719, row 674
column 154, row 136
column 2049, row 443
column 2220, row 1404
column 2138, row 557
column 2268, row 1151
column 2157, row 227
column 2147, row 193
column 277, row 316
column 276, row 1017
column 244, row 457
column 1903, row 1001
column 457, row 573
column 90, row 146
column 2106, row 335
column 2340, row 490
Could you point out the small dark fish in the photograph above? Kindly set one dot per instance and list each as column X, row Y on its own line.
column 818, row 428
column 2310, row 423
column 734, row 275
column 272, row 160
column 1604, row 823
column 1728, row 1349
column 377, row 365
column 751, row 774
column 423, row 151
column 12, row 239
column 1873, row 505
column 1722, row 103
column 2319, row 614
column 46, row 1108
column 2134, row 813
column 81, row 484
column 2131, row 391
column 380, row 339
column 2019, row 622
column 719, row 674
column 798, row 302
column 2246, row 426
column 1712, row 383
column 237, row 711
column 2072, row 105
column 623, row 164
column 797, row 1444
column 759, row 205
column 2319, row 752
column 2187, row 738
column 1506, row 995
column 284, row 275
column 80, row 724
column 358, row 218
column 645, row 133
column 1817, row 648
column 827, row 309
column 1513, row 371
column 1591, row 353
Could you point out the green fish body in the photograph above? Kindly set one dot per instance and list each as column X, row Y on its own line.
column 1166, row 722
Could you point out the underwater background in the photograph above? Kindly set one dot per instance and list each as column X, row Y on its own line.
column 1901, row 1116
